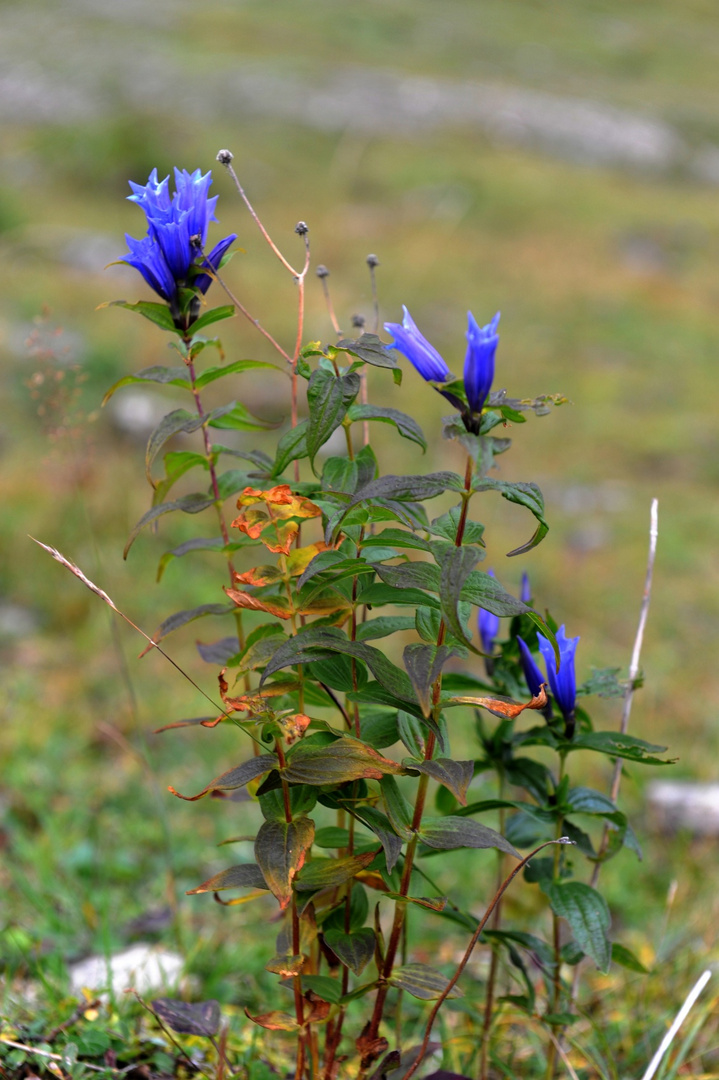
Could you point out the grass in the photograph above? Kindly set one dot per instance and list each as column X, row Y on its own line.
column 91, row 839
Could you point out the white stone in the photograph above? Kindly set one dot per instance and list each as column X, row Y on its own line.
column 145, row 968
column 682, row 804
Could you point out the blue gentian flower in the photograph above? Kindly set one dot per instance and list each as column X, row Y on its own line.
column 488, row 626
column 525, row 589
column 417, row 349
column 177, row 227
column 482, row 344
column 532, row 672
column 563, row 683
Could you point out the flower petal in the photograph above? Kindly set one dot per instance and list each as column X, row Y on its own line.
column 409, row 341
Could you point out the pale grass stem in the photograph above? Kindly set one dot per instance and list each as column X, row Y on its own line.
column 628, row 697
column 678, row 1021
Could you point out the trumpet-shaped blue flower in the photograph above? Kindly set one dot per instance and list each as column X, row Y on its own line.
column 177, row 227
column 563, row 683
column 488, row 626
column 408, row 339
column 525, row 590
column 531, row 669
column 482, row 344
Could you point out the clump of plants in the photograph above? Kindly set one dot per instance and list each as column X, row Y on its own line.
column 363, row 636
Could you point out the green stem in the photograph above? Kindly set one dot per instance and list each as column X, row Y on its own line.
column 215, row 489
column 400, row 905
column 556, row 945
column 494, row 961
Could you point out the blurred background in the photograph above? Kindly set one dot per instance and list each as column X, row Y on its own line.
column 557, row 162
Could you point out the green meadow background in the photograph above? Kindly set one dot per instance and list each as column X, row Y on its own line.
column 557, row 162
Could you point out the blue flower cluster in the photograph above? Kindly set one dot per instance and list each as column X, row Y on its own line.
column 177, row 227
column 482, row 344
column 562, row 683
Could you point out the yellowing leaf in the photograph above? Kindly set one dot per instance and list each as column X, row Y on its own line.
column 277, row 525
column 299, row 559
column 274, row 605
column 509, row 709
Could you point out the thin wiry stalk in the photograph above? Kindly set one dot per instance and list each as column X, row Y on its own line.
column 74, row 569
column 470, row 948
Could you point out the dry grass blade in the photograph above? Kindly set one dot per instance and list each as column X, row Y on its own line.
column 74, row 569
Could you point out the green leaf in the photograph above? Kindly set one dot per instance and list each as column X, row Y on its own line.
column 292, row 445
column 422, row 982
column 188, row 504
column 446, row 526
column 334, row 919
column 336, row 672
column 604, row 682
column 156, row 313
column 588, row 916
column 232, row 481
column 328, row 873
column 280, row 850
column 340, row 474
column 180, row 618
column 235, row 778
column 370, row 349
column 383, row 830
column 174, row 423
column 584, row 800
column 379, row 593
column 379, row 728
column 457, row 566
column 173, row 376
column 328, row 397
column 614, row 744
column 344, row 759
column 411, row 733
column 484, row 591
column 626, row 958
column 546, row 629
column 355, row 950
column 405, row 425
column 331, row 836
column 452, row 832
column 210, row 374
column 424, row 665
column 383, row 626
column 395, row 538
column 177, row 463
column 245, row 876
column 272, row 803
column 527, row 495
column 225, row 311
column 341, row 571
column 398, row 490
column 297, row 650
column 398, row 809
column 454, row 775
column 324, row 561
column 325, row 988
column 411, row 575
column 236, row 418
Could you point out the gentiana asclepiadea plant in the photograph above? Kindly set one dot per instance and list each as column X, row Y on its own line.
column 364, row 635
